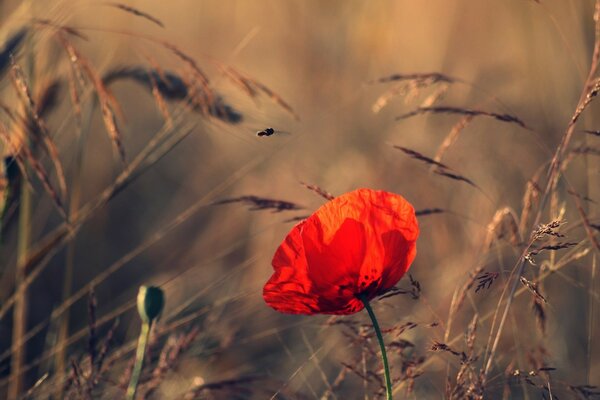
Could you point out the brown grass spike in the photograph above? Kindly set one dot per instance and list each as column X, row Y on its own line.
column 321, row 192
column 464, row 111
column 49, row 146
column 421, row 157
column 430, row 76
column 452, row 136
column 137, row 13
column 107, row 102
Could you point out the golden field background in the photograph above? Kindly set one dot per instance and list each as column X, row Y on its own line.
column 521, row 57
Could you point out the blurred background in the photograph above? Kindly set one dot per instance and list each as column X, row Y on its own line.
column 523, row 58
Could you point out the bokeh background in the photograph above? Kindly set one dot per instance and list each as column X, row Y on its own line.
column 520, row 57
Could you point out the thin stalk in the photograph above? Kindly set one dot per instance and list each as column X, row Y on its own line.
column 21, row 306
column 386, row 368
column 18, row 357
column 74, row 204
column 139, row 360
column 590, row 333
column 553, row 177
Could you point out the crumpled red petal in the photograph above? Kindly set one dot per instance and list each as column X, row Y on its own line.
column 362, row 242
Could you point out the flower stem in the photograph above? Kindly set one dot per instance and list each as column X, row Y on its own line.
column 386, row 368
column 139, row 360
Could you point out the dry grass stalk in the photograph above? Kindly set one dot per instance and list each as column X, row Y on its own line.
column 157, row 93
column 589, row 97
column 231, row 386
column 137, row 13
column 531, row 200
column 366, row 376
column 414, row 291
column 452, row 136
column 277, row 99
column 486, row 280
column 587, row 225
column 416, row 155
column 439, row 168
column 595, row 133
column 462, row 293
column 239, row 80
column 160, row 102
column 11, row 47
column 203, row 97
column 296, row 219
column 552, row 247
column 455, row 176
column 171, row 86
column 581, row 197
column 586, row 150
column 411, row 89
column 585, row 391
column 62, row 235
column 11, row 180
column 533, row 288
column 170, row 354
column 360, row 336
column 261, row 203
column 88, row 372
column 464, row 111
column 108, row 104
column 435, row 97
column 69, row 30
column 72, row 79
column 38, row 384
column 14, row 155
column 104, row 348
column 504, row 225
column 549, row 229
column 92, row 306
column 199, row 73
column 433, row 77
column 316, row 189
column 468, row 382
column 37, row 167
column 252, row 87
column 384, row 99
column 48, row 96
column 429, row 211
column 539, row 310
column 438, row 346
column 589, row 91
column 49, row 147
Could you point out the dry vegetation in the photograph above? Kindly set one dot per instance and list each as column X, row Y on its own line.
column 136, row 150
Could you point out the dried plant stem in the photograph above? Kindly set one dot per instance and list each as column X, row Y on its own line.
column 75, row 200
column 20, row 308
column 18, row 352
column 386, row 368
column 553, row 177
column 590, row 333
column 139, row 359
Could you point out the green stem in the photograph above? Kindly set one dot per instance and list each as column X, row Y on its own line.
column 386, row 368
column 139, row 360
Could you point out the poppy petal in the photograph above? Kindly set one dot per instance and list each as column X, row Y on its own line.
column 362, row 242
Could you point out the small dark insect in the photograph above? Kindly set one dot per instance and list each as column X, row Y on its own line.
column 269, row 132
column 266, row 132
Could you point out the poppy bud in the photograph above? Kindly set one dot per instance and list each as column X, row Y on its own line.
column 150, row 302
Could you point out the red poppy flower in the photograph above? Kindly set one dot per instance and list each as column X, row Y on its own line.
column 358, row 244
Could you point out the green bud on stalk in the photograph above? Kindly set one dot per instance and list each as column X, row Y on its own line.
column 150, row 302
